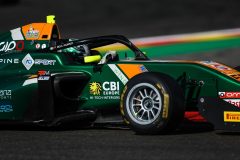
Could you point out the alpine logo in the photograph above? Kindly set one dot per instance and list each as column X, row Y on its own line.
column 28, row 61
column 229, row 94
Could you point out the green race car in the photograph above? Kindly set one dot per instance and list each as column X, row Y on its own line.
column 48, row 81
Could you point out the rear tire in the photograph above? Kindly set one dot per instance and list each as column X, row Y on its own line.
column 152, row 103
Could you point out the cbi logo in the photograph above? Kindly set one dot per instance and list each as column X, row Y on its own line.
column 229, row 94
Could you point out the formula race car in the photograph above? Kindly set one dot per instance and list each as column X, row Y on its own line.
column 50, row 81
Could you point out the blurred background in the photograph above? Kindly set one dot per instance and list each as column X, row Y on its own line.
column 134, row 19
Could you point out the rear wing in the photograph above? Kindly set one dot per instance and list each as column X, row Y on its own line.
column 30, row 37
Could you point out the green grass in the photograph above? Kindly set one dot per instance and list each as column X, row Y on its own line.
column 191, row 47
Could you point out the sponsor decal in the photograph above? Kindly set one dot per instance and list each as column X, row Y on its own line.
column 9, row 61
column 165, row 101
column 43, row 78
column 143, row 68
column 235, row 102
column 7, row 46
column 121, row 104
column 216, row 65
column 5, row 94
column 231, row 116
column 118, row 73
column 223, row 69
column 62, row 45
column 45, row 62
column 6, row 108
column 43, row 75
column 229, row 94
column 231, row 97
column 95, row 88
column 20, row 45
column 110, row 88
column 38, row 46
column 131, row 70
column 28, row 62
column 44, row 46
column 236, row 76
column 32, row 33
column 105, row 90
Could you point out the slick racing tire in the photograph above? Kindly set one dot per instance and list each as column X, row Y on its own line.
column 237, row 68
column 152, row 103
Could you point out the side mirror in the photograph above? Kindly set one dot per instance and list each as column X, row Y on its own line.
column 92, row 59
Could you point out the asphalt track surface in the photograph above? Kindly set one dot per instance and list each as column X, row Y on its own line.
column 139, row 18
column 132, row 18
column 191, row 141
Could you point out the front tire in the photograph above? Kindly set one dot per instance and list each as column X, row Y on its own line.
column 152, row 103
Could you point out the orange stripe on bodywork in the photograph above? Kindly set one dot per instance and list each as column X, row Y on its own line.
column 131, row 70
column 233, row 73
column 47, row 30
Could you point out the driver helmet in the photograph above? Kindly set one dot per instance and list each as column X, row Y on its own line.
column 77, row 50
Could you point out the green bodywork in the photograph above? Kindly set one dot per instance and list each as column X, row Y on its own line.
column 13, row 77
column 19, row 86
column 191, row 47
